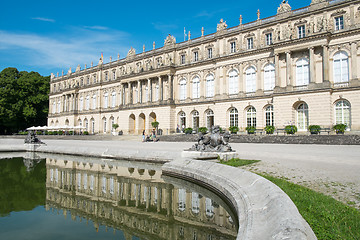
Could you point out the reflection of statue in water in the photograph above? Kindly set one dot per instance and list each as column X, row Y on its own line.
column 213, row 142
column 32, row 138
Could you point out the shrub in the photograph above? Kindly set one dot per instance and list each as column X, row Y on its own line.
column 203, row 130
column 155, row 124
column 250, row 129
column 290, row 129
column 60, row 132
column 340, row 128
column 188, row 130
column 314, row 129
column 86, row 133
column 233, row 129
column 269, row 129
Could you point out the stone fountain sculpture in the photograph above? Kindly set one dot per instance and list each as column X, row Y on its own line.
column 211, row 146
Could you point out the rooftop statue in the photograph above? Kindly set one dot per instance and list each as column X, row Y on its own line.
column 284, row 7
column 131, row 52
column 221, row 25
column 213, row 142
column 169, row 40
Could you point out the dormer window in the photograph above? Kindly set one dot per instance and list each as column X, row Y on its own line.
column 339, row 23
column 301, row 31
column 232, row 47
column 250, row 43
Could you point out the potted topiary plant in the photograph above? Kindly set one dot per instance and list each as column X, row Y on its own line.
column 250, row 129
column 269, row 129
column 114, row 127
column 203, row 130
column 290, row 129
column 314, row 129
column 340, row 128
column 188, row 130
column 233, row 129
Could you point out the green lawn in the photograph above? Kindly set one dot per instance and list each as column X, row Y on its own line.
column 329, row 219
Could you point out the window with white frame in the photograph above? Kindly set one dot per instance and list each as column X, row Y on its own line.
column 268, row 39
column 269, row 77
column 233, row 47
column 195, row 119
column 106, row 100
column 269, row 116
column 181, row 199
column 302, row 117
column 195, row 202
column 250, row 43
column 251, row 117
column 81, row 103
column 250, row 79
column 210, row 83
column 341, row 67
column 59, row 107
column 182, row 89
column 234, row 117
column 209, row 208
column 104, row 125
column 106, row 76
column 157, row 92
column 210, row 52
column 87, row 103
column 114, row 75
column 233, row 82
column 301, row 31
column 111, row 185
column 339, row 23
column 94, row 101
column 113, row 99
column 196, row 56
column 342, row 113
column 182, row 59
column 182, row 120
column 302, row 72
column 86, row 124
column 196, row 87
column 54, row 107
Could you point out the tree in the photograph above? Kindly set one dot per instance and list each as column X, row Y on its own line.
column 24, row 100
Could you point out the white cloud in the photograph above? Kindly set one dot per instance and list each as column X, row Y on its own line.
column 43, row 19
column 96, row 27
column 61, row 51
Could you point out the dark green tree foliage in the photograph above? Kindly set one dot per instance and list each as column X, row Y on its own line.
column 24, row 100
column 21, row 190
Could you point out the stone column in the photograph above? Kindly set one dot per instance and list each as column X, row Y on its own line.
column 158, row 204
column 259, row 87
column 241, row 80
column 160, row 88
column 312, row 67
column 138, row 92
column 149, row 90
column 288, row 69
column 353, row 61
column 325, row 63
column 277, row 71
column 171, row 87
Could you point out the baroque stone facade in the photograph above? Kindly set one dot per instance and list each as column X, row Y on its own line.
column 297, row 67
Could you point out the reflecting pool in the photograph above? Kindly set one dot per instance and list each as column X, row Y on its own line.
column 70, row 198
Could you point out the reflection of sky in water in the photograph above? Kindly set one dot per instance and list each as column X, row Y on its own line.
column 41, row 224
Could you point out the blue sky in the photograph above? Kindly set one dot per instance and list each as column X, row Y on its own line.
column 51, row 36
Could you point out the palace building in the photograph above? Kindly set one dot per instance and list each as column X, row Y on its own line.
column 298, row 67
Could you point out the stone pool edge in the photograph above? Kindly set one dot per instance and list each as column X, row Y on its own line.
column 264, row 210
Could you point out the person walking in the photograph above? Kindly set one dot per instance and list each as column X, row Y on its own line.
column 143, row 136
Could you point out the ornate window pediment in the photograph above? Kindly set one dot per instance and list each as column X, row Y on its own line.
column 249, row 35
column 268, row 30
column 300, row 22
column 338, row 12
column 233, row 39
column 195, row 49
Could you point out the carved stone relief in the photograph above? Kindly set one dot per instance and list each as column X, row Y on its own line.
column 221, row 25
column 284, row 7
column 170, row 40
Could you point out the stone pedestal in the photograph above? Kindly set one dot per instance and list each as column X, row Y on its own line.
column 198, row 155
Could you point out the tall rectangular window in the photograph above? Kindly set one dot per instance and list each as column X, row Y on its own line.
column 339, row 23
column 232, row 47
column 268, row 39
column 250, row 43
column 196, row 56
column 182, row 59
column 301, row 31
column 210, row 52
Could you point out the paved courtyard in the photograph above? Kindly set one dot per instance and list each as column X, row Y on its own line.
column 333, row 170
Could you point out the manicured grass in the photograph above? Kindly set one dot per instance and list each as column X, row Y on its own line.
column 328, row 218
column 236, row 162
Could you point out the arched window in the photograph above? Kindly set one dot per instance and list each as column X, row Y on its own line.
column 341, row 67
column 195, row 118
column 234, row 117
column 86, row 125
column 113, row 99
column 81, row 103
column 195, row 202
column 104, row 125
column 302, row 72
column 94, row 101
column 182, row 199
column 209, row 119
column 92, row 126
column 182, row 89
column 233, row 82
column 210, row 85
column 269, row 116
column 342, row 113
column 251, row 117
column 182, row 120
column 302, row 117
column 269, row 77
column 196, row 87
column 250, row 79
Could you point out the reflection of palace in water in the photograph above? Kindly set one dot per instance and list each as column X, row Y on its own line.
column 135, row 201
